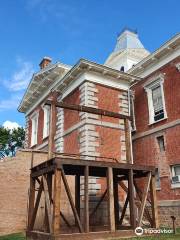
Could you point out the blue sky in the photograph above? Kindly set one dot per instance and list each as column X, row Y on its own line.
column 68, row 30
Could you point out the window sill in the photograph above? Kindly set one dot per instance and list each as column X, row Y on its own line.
column 158, row 189
column 34, row 145
column 175, row 185
column 45, row 138
column 158, row 121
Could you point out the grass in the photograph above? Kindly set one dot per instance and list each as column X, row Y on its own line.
column 16, row 236
column 20, row 236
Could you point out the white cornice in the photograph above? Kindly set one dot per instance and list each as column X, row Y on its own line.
column 167, row 52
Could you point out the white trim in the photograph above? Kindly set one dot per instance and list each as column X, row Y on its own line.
column 34, row 129
column 164, row 54
column 97, row 79
column 157, row 65
column 178, row 66
column 174, row 185
column 156, row 129
column 154, row 82
column 46, row 110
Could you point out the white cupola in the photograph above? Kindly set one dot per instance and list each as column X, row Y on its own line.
column 128, row 51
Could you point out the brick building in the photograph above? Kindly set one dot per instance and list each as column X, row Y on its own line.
column 156, row 135
column 131, row 80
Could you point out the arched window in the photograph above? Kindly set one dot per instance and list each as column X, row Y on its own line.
column 122, row 69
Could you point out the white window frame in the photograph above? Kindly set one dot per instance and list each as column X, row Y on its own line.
column 174, row 185
column 46, row 126
column 178, row 66
column 158, row 175
column 34, row 132
column 157, row 82
column 132, row 111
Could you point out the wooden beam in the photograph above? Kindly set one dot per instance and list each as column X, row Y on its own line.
column 34, row 213
column 71, row 201
column 146, row 211
column 131, row 199
column 98, row 204
column 43, row 171
column 52, row 130
column 32, row 159
column 86, row 199
column 124, row 210
column 76, row 161
column 154, row 202
column 81, row 108
column 31, row 200
column 148, row 216
column 110, row 199
column 128, row 140
column 77, row 193
column 65, row 220
column 47, row 203
column 144, row 197
column 56, row 201
column 116, row 200
column 49, row 183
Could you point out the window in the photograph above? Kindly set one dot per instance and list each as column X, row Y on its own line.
column 122, row 69
column 156, row 101
column 157, row 177
column 46, row 121
column 34, row 120
column 175, row 172
column 161, row 144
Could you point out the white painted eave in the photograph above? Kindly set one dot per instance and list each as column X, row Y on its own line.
column 165, row 50
column 39, row 82
column 64, row 84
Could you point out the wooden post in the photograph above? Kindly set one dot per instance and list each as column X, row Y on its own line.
column 49, row 183
column 154, row 202
column 32, row 159
column 131, row 199
column 47, row 203
column 31, row 200
column 128, row 140
column 77, row 193
column 116, row 200
column 52, row 130
column 86, row 199
column 110, row 199
column 56, row 201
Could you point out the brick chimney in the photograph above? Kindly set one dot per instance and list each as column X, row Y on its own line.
column 44, row 62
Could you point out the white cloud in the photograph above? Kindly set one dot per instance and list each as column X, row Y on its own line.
column 10, row 125
column 20, row 78
column 11, row 103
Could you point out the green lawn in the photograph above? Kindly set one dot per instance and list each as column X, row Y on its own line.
column 16, row 236
column 20, row 236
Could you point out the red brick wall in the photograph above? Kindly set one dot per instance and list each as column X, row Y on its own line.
column 171, row 93
column 71, row 117
column 110, row 146
column 146, row 149
column 71, row 143
column 108, row 99
column 109, row 140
